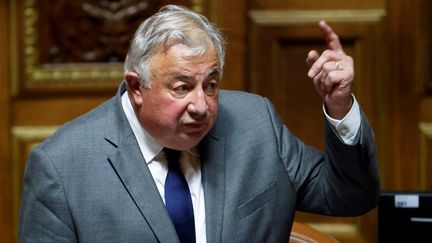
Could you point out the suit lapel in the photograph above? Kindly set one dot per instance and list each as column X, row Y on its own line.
column 128, row 162
column 212, row 151
column 138, row 181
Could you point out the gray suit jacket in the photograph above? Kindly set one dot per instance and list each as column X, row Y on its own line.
column 89, row 183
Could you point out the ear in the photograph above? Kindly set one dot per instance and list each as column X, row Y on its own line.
column 133, row 85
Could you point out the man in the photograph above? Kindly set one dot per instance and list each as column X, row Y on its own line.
column 103, row 177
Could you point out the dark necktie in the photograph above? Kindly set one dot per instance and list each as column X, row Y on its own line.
column 178, row 200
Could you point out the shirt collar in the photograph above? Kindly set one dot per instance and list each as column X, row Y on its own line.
column 149, row 147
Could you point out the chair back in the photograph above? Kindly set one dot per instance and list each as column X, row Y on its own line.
column 303, row 233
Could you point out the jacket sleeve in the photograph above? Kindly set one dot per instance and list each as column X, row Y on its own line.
column 44, row 213
column 342, row 180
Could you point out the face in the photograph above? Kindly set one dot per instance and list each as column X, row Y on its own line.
column 181, row 105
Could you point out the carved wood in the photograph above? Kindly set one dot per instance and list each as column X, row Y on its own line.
column 71, row 46
column 84, row 31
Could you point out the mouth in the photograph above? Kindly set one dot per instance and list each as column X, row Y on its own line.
column 194, row 126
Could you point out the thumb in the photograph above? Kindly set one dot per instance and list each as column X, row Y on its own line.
column 312, row 57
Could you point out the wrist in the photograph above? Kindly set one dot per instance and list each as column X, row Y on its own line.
column 338, row 109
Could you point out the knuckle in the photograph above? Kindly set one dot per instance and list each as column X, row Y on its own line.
column 327, row 53
column 335, row 36
column 327, row 66
column 332, row 76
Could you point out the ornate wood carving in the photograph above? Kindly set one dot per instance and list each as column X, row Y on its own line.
column 83, row 31
column 73, row 45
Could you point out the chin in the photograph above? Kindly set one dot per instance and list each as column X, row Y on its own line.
column 188, row 141
column 182, row 147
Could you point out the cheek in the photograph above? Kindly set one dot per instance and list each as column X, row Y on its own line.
column 164, row 113
column 172, row 113
column 213, row 106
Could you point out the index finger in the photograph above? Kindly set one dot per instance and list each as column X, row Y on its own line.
column 331, row 37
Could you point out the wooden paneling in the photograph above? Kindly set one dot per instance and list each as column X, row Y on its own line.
column 426, row 21
column 53, row 111
column 279, row 43
column 231, row 19
column 409, row 68
column 5, row 165
column 278, row 68
column 43, row 83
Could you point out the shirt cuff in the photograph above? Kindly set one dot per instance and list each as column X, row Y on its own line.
column 349, row 126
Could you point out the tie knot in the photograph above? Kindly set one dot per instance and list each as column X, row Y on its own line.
column 172, row 155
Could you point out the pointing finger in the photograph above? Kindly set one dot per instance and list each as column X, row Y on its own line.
column 331, row 37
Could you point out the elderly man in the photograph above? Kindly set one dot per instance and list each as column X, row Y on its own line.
column 171, row 158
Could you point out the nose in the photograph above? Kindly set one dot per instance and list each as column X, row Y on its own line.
column 198, row 107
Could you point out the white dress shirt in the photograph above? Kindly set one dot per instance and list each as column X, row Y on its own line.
column 190, row 162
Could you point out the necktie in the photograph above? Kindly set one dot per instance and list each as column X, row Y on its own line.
column 178, row 200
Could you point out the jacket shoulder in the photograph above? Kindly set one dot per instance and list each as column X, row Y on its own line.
column 241, row 100
column 81, row 128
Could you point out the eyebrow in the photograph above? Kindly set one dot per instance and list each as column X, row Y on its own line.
column 214, row 72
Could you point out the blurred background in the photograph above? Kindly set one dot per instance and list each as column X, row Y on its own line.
column 59, row 59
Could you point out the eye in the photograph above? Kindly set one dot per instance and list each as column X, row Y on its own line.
column 212, row 88
column 181, row 89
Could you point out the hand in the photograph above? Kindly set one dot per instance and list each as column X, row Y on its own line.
column 332, row 73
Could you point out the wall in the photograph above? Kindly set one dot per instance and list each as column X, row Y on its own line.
column 47, row 79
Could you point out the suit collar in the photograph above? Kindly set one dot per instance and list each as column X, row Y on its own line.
column 148, row 145
column 117, row 127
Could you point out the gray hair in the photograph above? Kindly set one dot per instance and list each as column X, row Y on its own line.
column 170, row 26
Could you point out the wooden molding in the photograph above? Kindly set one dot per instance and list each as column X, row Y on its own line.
column 268, row 17
column 197, row 6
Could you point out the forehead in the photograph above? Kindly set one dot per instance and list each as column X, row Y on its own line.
column 182, row 57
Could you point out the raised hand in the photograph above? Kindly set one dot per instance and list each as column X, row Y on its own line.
column 332, row 73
